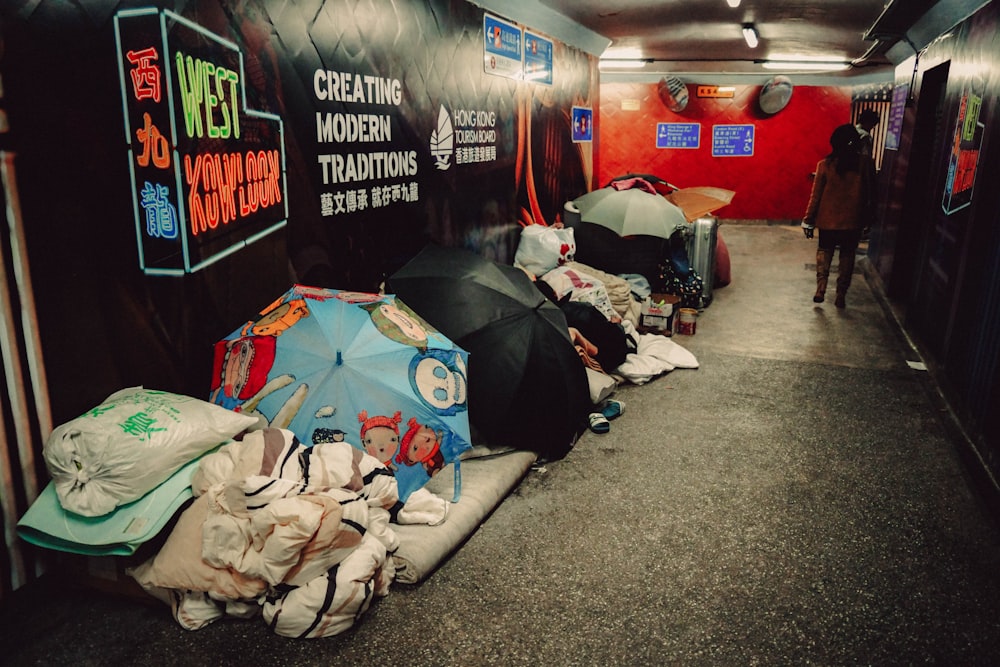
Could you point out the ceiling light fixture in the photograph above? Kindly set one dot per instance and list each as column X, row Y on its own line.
column 621, row 64
column 812, row 65
column 733, row 3
column 750, row 35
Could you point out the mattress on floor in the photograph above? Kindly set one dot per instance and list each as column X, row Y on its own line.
column 486, row 481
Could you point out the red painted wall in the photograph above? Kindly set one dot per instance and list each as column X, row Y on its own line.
column 772, row 184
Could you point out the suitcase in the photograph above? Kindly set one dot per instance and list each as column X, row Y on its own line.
column 702, row 239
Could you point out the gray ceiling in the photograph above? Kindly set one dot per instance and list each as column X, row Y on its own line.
column 690, row 36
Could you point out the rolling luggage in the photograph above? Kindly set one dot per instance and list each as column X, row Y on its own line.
column 701, row 244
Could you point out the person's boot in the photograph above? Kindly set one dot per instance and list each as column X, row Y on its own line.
column 823, row 260
column 844, row 272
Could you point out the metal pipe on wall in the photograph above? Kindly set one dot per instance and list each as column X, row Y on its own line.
column 17, row 465
column 10, row 355
column 29, row 314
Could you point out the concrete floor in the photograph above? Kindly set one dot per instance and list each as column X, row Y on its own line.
column 798, row 500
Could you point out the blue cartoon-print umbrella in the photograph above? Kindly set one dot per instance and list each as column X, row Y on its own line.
column 334, row 365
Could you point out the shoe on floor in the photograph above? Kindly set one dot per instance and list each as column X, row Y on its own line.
column 612, row 409
column 598, row 423
column 840, row 302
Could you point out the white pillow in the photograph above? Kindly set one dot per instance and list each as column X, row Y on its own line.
column 129, row 444
column 179, row 565
column 602, row 385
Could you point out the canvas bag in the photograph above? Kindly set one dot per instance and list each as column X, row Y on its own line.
column 128, row 445
column 543, row 248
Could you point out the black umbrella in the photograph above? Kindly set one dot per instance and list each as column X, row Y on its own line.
column 527, row 385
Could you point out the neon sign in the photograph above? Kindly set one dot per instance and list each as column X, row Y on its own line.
column 963, row 161
column 208, row 174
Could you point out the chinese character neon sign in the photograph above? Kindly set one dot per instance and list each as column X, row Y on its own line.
column 208, row 175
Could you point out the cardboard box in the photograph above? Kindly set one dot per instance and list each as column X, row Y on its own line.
column 658, row 322
column 657, row 312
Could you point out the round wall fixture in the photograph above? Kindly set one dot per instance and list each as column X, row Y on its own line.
column 673, row 93
column 774, row 94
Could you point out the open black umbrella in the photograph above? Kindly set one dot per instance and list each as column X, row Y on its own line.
column 527, row 385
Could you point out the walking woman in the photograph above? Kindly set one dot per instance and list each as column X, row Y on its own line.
column 840, row 207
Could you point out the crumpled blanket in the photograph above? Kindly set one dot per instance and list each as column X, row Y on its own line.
column 654, row 356
column 276, row 454
column 270, row 456
column 330, row 603
column 300, row 534
column 579, row 286
column 636, row 182
column 619, row 291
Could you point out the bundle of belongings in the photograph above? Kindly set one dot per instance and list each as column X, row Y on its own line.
column 602, row 310
column 299, row 535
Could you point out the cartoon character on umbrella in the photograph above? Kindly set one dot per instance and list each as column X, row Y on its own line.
column 380, row 436
column 351, row 366
column 277, row 318
column 441, row 381
column 395, row 323
column 241, row 369
column 421, row 445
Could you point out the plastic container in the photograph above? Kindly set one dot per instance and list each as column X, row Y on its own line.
column 687, row 321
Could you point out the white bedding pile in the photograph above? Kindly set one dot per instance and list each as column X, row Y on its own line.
column 298, row 534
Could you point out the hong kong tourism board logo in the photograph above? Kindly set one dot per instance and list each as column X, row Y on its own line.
column 464, row 136
column 443, row 140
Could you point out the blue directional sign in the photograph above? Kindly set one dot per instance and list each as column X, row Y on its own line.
column 583, row 124
column 503, row 48
column 537, row 58
column 732, row 140
column 678, row 135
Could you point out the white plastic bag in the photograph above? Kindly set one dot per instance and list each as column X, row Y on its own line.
column 129, row 444
column 543, row 248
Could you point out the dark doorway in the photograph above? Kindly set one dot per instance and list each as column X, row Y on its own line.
column 916, row 217
column 923, row 267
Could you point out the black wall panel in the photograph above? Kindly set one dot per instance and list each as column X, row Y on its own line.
column 105, row 324
column 939, row 249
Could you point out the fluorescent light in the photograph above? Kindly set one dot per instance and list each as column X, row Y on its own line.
column 733, row 3
column 817, row 65
column 623, row 52
column 621, row 64
column 750, row 35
